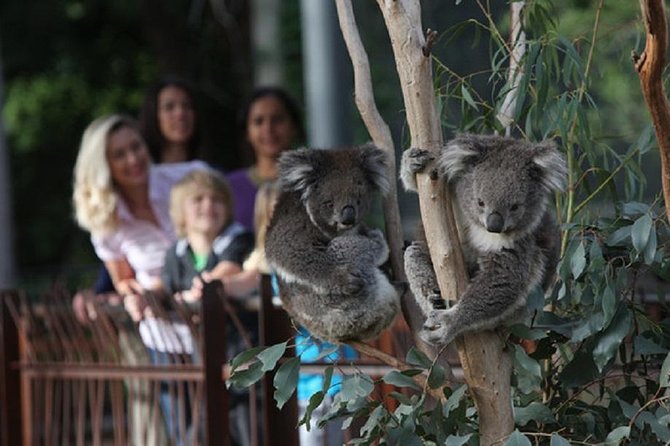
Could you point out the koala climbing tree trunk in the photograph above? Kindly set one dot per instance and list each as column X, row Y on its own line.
column 650, row 66
column 487, row 367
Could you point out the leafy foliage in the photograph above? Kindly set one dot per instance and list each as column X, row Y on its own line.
column 593, row 365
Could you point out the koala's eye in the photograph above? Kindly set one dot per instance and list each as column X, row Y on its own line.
column 480, row 202
column 514, row 207
column 328, row 204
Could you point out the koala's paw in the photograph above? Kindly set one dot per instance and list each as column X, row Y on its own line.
column 381, row 247
column 435, row 330
column 353, row 281
column 436, row 300
column 414, row 160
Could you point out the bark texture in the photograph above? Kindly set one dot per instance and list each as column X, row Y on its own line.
column 650, row 66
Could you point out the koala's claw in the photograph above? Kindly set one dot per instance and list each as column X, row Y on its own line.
column 437, row 302
column 418, row 159
column 435, row 330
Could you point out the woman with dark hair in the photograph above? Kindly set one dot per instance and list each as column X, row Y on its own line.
column 168, row 121
column 270, row 122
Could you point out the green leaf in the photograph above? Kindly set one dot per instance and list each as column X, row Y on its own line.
column 609, row 340
column 527, row 371
column 314, row 402
column 578, row 261
column 620, row 236
column 244, row 357
column 454, row 400
column 327, row 378
column 271, row 355
column 557, row 440
column 517, row 439
column 374, row 420
column 640, row 232
column 397, row 379
column 417, row 357
column 241, row 379
column 355, row 387
column 579, row 371
column 436, row 377
column 286, row 380
column 665, row 372
column 644, row 346
column 608, row 303
column 468, row 98
column 455, row 440
column 615, row 437
column 648, row 418
column 535, row 411
column 525, row 332
column 650, row 249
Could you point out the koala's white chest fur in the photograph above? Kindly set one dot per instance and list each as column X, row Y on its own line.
column 477, row 239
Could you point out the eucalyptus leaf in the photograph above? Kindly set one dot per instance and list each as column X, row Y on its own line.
column 578, row 261
column 527, row 371
column 314, row 401
column 417, row 357
column 644, row 346
column 608, row 341
column 436, row 377
column 399, row 380
column 454, row 400
column 455, row 440
column 661, row 432
column 620, row 236
column 650, row 249
column 286, row 380
column 664, row 378
column 640, row 232
column 242, row 379
column 615, row 437
column 557, row 440
column 245, row 357
column 271, row 355
column 535, row 411
column 517, row 439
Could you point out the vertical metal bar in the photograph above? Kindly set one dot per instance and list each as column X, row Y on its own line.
column 10, row 388
column 275, row 327
column 214, row 349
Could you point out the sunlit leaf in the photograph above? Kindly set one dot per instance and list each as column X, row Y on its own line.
column 578, row 261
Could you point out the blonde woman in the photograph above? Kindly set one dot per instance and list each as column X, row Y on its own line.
column 122, row 199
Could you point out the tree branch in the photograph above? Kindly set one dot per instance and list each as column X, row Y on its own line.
column 381, row 135
column 650, row 66
column 489, row 385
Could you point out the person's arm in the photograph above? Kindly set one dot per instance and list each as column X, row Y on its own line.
column 123, row 276
column 242, row 284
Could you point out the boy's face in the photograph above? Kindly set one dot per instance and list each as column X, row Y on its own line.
column 204, row 212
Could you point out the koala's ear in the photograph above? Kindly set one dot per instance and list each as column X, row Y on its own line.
column 298, row 169
column 551, row 168
column 459, row 155
column 374, row 163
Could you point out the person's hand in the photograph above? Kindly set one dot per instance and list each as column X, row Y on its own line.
column 82, row 306
column 136, row 306
column 195, row 293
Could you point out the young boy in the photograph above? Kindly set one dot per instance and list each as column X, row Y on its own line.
column 211, row 245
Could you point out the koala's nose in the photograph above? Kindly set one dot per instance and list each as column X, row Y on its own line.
column 494, row 222
column 348, row 215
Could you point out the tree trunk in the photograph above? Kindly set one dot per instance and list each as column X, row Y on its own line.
column 650, row 66
column 487, row 367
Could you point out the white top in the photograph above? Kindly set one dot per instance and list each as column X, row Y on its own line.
column 143, row 245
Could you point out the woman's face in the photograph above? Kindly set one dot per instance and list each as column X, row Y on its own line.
column 176, row 117
column 270, row 129
column 128, row 158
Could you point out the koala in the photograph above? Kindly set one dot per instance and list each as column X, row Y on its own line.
column 326, row 259
column 501, row 189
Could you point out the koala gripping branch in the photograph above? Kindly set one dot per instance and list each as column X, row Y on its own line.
column 486, row 365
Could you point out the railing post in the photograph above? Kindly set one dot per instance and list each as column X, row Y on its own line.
column 217, row 431
column 275, row 327
column 10, row 379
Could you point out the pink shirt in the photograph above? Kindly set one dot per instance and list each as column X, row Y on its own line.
column 141, row 243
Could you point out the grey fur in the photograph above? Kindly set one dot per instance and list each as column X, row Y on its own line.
column 326, row 259
column 501, row 185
